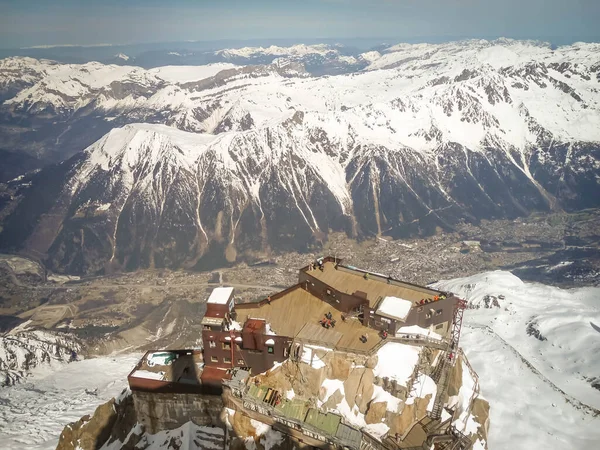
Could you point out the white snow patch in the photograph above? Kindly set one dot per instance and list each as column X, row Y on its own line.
column 377, row 429
column 330, row 387
column 381, row 395
column 423, row 387
column 416, row 329
column 396, row 361
column 310, row 357
column 140, row 373
column 220, row 295
column 34, row 413
column 187, row 74
column 525, row 410
column 395, row 307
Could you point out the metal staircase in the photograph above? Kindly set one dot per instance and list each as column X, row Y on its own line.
column 442, row 387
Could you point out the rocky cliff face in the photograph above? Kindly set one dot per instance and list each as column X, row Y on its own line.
column 262, row 158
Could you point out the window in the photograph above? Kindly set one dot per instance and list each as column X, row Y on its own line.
column 420, row 309
column 438, row 312
column 226, row 346
column 383, row 319
column 214, row 359
column 241, row 362
column 227, row 360
column 428, row 315
column 212, row 344
column 270, row 350
column 441, row 325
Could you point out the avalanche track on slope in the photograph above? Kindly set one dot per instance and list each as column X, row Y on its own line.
column 425, row 136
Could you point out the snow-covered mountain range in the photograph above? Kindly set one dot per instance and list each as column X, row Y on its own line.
column 262, row 157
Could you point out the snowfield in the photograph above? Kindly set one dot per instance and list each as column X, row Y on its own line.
column 187, row 74
column 34, row 413
column 522, row 375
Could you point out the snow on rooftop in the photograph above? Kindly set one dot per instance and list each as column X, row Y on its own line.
column 220, row 295
column 416, row 329
column 148, row 375
column 395, row 307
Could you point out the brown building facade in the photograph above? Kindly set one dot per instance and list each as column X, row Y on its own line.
column 350, row 291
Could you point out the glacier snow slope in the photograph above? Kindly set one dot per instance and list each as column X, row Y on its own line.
column 33, row 414
column 538, row 394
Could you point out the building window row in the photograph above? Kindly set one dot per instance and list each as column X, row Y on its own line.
column 226, row 360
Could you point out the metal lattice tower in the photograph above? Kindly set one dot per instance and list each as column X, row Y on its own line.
column 457, row 321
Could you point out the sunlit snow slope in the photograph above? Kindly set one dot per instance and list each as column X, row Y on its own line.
column 539, row 384
column 33, row 414
column 267, row 157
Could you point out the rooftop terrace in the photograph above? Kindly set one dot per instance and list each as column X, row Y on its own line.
column 175, row 371
column 297, row 313
column 349, row 280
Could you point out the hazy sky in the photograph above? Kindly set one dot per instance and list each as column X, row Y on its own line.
column 44, row 22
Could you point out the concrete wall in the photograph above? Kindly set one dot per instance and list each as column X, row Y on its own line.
column 339, row 300
column 443, row 311
column 158, row 411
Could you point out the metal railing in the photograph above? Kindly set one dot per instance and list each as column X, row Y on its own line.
column 315, row 433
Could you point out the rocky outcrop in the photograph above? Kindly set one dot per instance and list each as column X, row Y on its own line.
column 22, row 350
column 112, row 421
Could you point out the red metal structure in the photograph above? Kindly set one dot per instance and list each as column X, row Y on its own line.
column 457, row 321
column 232, row 341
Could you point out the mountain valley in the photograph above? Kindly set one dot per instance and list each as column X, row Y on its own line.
column 200, row 167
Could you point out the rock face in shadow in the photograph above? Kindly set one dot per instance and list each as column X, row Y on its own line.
column 149, row 196
column 248, row 161
column 112, row 421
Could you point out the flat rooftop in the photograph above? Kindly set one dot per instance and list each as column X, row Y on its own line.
column 220, row 295
column 171, row 367
column 350, row 280
column 298, row 312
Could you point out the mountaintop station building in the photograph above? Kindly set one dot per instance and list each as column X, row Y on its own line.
column 362, row 304
column 332, row 307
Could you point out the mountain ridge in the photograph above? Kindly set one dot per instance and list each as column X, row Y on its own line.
column 264, row 158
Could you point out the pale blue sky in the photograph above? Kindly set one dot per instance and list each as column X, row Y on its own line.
column 45, row 22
